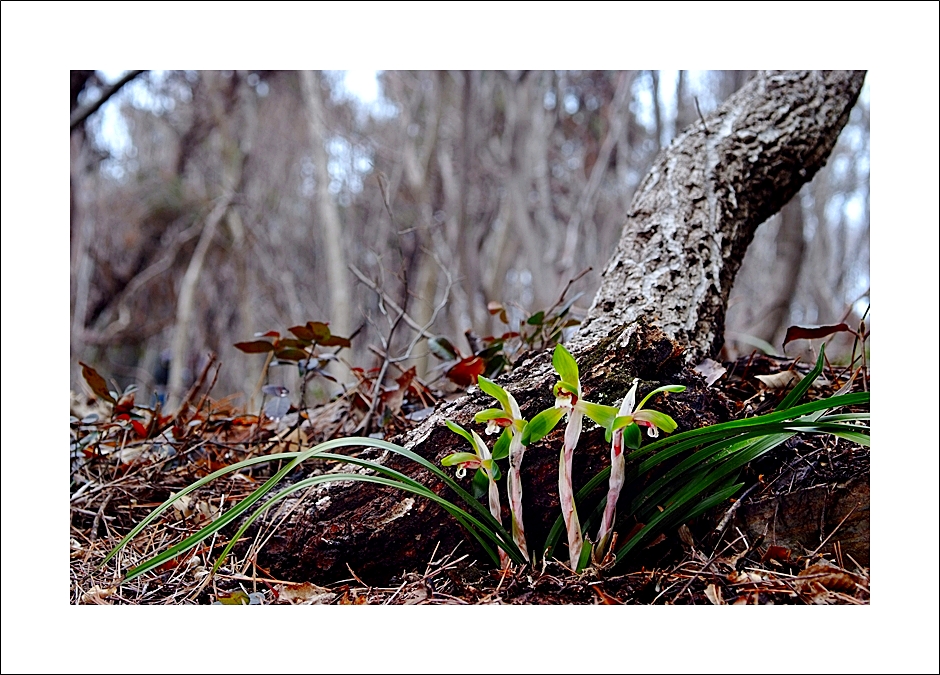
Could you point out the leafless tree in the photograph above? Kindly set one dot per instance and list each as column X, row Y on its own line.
column 514, row 180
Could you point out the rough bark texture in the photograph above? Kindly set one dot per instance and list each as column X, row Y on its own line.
column 686, row 233
column 696, row 212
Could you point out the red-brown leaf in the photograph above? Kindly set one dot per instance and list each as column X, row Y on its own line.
column 125, row 404
column 404, row 381
column 255, row 346
column 96, row 382
column 291, row 343
column 779, row 553
column 302, row 332
column 466, row 371
column 290, row 354
column 335, row 341
column 812, row 332
column 319, row 330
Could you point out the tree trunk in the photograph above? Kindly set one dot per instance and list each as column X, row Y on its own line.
column 231, row 161
column 329, row 220
column 660, row 308
column 785, row 272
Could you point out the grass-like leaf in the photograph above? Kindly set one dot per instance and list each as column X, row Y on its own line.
column 482, row 526
column 700, row 480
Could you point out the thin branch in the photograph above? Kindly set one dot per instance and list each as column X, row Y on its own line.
column 377, row 387
column 83, row 113
column 841, row 523
column 700, row 116
column 383, row 296
column 729, row 514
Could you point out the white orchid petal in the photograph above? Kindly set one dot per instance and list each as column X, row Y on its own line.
column 514, row 408
column 626, row 408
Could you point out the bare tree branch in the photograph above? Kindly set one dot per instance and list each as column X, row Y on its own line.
column 83, row 113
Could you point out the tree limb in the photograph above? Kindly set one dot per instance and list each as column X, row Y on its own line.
column 696, row 211
column 86, row 111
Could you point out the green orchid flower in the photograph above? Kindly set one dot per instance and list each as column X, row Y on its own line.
column 510, row 420
column 626, row 429
column 568, row 402
column 625, row 422
column 481, row 459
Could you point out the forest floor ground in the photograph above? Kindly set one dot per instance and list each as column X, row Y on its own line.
column 117, row 480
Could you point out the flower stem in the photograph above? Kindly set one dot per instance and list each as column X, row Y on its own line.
column 617, row 471
column 566, row 489
column 516, row 450
column 504, row 561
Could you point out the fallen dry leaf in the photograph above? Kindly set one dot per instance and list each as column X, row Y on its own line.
column 830, row 578
column 711, row 371
column 97, row 595
column 781, row 553
column 786, row 378
column 306, row 594
column 713, row 593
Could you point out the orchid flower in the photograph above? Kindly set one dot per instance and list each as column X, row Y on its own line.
column 568, row 401
column 510, row 419
column 627, row 424
column 480, row 458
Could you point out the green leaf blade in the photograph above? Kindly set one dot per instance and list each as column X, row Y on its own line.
column 566, row 367
column 541, row 425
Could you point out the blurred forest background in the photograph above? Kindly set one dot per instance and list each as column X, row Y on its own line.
column 210, row 206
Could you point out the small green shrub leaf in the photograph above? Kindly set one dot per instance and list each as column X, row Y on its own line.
column 443, row 349
column 536, row 319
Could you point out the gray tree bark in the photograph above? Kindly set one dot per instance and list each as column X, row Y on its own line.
column 660, row 308
column 694, row 215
